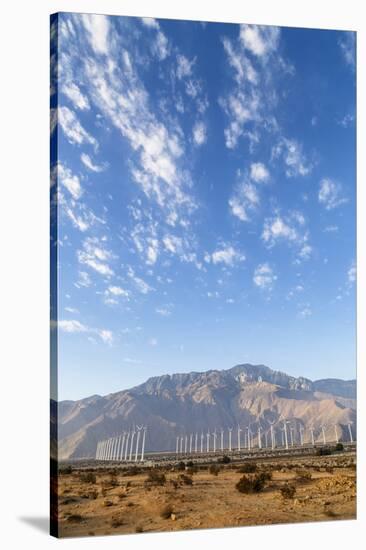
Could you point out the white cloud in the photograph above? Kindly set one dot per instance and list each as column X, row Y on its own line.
column 331, row 229
column 347, row 46
column 259, row 40
column 141, row 285
column 118, row 291
column 352, row 274
column 330, row 194
column 305, row 311
column 291, row 229
column 244, row 199
column 73, row 129
column 184, row 66
column 164, row 311
column 153, row 342
column 347, row 120
column 73, row 326
column 69, row 180
column 73, row 93
column 95, row 256
column 258, row 172
column 227, row 255
column 199, row 133
column 84, row 280
column 97, row 27
column 150, row 22
column 295, row 161
column 71, row 310
column 161, row 46
column 264, row 276
column 91, row 165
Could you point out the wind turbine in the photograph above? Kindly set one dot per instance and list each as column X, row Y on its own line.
column 350, row 432
column 208, row 440
column 239, row 445
column 312, row 435
column 190, row 443
column 214, row 435
column 195, row 442
column 336, row 433
column 138, row 428
column 323, row 432
column 202, row 436
column 291, row 435
column 177, row 445
column 185, row 443
column 127, row 441
column 123, row 445
column 273, row 435
column 285, row 422
column 222, row 439
column 132, row 440
column 143, row 443
column 301, row 430
column 259, row 437
column 230, row 430
column 181, row 444
column 249, row 441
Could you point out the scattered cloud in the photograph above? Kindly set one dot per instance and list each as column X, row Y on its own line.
column 141, row 285
column 227, row 255
column 91, row 165
column 69, row 180
column 260, row 40
column 73, row 129
column 296, row 163
column 184, row 66
column 96, row 256
column 244, row 199
column 347, row 45
column 330, row 194
column 347, row 120
column 290, row 229
column 76, row 327
column 97, row 27
column 352, row 274
column 153, row 342
column 304, row 311
column 164, row 311
column 258, row 172
column 199, row 133
column 77, row 98
column 264, row 276
column 331, row 229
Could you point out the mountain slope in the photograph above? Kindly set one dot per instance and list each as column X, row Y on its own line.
column 177, row 404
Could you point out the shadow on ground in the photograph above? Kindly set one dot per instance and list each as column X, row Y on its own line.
column 40, row 523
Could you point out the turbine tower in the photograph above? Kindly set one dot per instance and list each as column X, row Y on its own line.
column 127, row 441
column 143, row 443
column 195, row 442
column 208, row 440
column 323, row 432
column 312, row 435
column 214, row 435
column 273, row 436
column 139, row 428
column 259, row 437
column 202, row 436
column 222, row 439
column 185, row 443
column 239, row 443
column 177, row 445
column 336, row 433
column 181, row 444
column 285, row 422
column 230, row 430
column 350, row 432
column 301, row 430
column 131, row 444
column 190, row 443
column 249, row 441
column 123, row 445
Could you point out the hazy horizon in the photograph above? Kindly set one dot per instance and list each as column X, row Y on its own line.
column 206, row 188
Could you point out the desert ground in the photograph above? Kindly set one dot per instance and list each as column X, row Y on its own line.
column 115, row 500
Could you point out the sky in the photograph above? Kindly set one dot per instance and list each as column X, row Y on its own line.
column 206, row 190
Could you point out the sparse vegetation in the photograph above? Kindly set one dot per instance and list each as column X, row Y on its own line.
column 214, row 469
column 166, row 511
column 288, row 491
column 88, row 477
column 323, row 451
column 185, row 480
column 155, row 477
column 75, row 518
column 251, row 483
column 248, row 468
column 117, row 521
column 67, row 470
column 181, row 466
column 339, row 447
column 225, row 459
column 302, row 475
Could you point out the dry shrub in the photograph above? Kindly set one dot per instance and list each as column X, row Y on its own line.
column 303, row 476
column 75, row 518
column 88, row 477
column 214, row 469
column 139, row 529
column 155, row 478
column 248, row 468
column 166, row 511
column 117, row 521
column 107, row 503
column 185, row 480
column 251, row 483
column 288, row 491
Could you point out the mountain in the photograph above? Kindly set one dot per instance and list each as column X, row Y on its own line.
column 178, row 404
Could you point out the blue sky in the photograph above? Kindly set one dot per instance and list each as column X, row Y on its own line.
column 206, row 192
